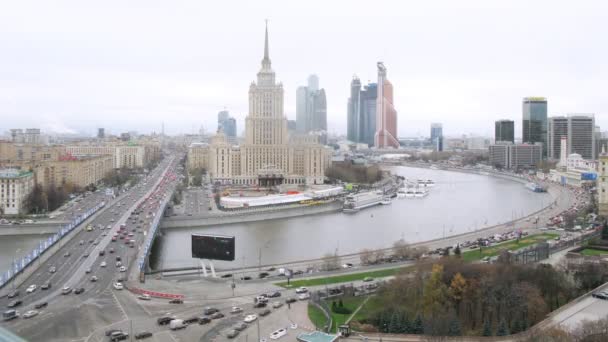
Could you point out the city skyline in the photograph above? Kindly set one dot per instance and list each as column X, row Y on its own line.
column 62, row 80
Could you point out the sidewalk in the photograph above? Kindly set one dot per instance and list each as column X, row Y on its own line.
column 298, row 313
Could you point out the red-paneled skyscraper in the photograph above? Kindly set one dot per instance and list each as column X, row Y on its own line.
column 386, row 115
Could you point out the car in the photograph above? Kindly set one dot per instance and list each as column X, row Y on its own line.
column 209, row 311
column 52, row 269
column 232, row 333
column 277, row 305
column 118, row 264
column 30, row 314
column 14, row 304
column 274, row 294
column 217, row 315
column 293, row 326
column 94, row 279
column 81, row 242
column 236, row 310
column 177, row 324
column 347, row 265
column 111, row 251
column 265, row 312
column 250, row 318
column 278, row 334
column 144, row 296
column 123, row 269
column 66, row 290
column 368, row 279
column 204, row 320
column 46, row 286
column 259, row 305
column 41, row 305
column 263, row 275
column 118, row 258
column 31, row 288
column 290, row 300
column 240, row 326
column 103, row 264
column 191, row 320
column 118, row 336
column 601, row 295
column 111, row 331
column 176, row 301
column 13, row 294
column 164, row 320
column 118, row 286
column 304, row 296
column 301, row 290
column 142, row 335
column 88, row 270
column 102, row 252
column 79, row 290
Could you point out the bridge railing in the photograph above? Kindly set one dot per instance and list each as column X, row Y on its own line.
column 22, row 263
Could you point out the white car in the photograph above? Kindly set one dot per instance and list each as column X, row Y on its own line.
column 236, row 310
column 118, row 286
column 30, row 314
column 103, row 264
column 278, row 334
column 31, row 288
column 123, row 269
column 304, row 296
column 144, row 296
column 294, row 326
column 301, row 290
column 250, row 318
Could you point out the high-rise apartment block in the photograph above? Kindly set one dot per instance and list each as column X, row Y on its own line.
column 534, row 125
column 504, row 130
column 580, row 132
column 311, row 107
column 515, row 156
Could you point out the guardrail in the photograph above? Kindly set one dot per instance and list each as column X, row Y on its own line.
column 19, row 265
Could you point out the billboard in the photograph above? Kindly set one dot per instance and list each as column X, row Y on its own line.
column 213, row 247
column 588, row 176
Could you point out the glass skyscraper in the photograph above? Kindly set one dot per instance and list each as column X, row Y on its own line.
column 535, row 121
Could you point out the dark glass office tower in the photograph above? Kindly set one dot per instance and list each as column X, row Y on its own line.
column 504, row 130
column 535, row 121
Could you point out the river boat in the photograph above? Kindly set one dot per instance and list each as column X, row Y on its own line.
column 355, row 202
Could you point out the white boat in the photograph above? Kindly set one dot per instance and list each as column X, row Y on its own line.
column 401, row 192
column 356, row 202
column 426, row 183
column 409, row 193
column 420, row 192
column 386, row 200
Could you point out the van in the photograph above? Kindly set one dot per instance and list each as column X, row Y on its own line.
column 177, row 324
column 9, row 314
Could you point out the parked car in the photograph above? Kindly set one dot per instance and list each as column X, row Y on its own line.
column 142, row 335
column 301, row 290
column 304, row 296
column 277, row 305
column 278, row 334
column 176, row 301
column 204, row 320
column 209, row 311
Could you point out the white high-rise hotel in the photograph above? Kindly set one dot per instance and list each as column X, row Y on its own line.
column 269, row 156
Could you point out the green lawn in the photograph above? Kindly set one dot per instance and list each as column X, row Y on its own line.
column 352, row 303
column 473, row 255
column 316, row 316
column 592, row 251
column 345, row 278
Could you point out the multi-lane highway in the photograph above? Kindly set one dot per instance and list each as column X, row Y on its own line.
column 79, row 259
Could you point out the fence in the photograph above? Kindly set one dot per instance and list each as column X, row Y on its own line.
column 19, row 265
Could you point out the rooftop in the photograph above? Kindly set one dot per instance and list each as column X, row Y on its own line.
column 316, row 336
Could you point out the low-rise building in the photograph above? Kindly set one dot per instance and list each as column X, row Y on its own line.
column 15, row 186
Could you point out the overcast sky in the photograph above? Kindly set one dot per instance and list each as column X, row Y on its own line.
column 130, row 65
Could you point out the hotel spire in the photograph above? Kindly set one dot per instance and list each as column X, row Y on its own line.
column 266, row 60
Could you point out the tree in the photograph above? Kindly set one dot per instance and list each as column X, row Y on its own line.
column 394, row 325
column 503, row 330
column 457, row 250
column 366, row 256
column 487, row 328
column 401, row 249
column 605, row 230
column 330, row 262
column 434, row 293
column 378, row 256
column 458, row 286
column 455, row 329
column 417, row 327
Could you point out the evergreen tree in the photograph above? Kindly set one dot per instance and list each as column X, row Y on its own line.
column 417, row 327
column 405, row 324
column 394, row 326
column 333, row 306
column 457, row 251
column 340, row 304
column 503, row 330
column 454, row 329
column 517, row 326
column 487, row 328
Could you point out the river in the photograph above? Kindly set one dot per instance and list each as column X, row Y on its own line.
column 459, row 203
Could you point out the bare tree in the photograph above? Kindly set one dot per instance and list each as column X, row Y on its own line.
column 366, row 256
column 402, row 249
column 330, row 262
